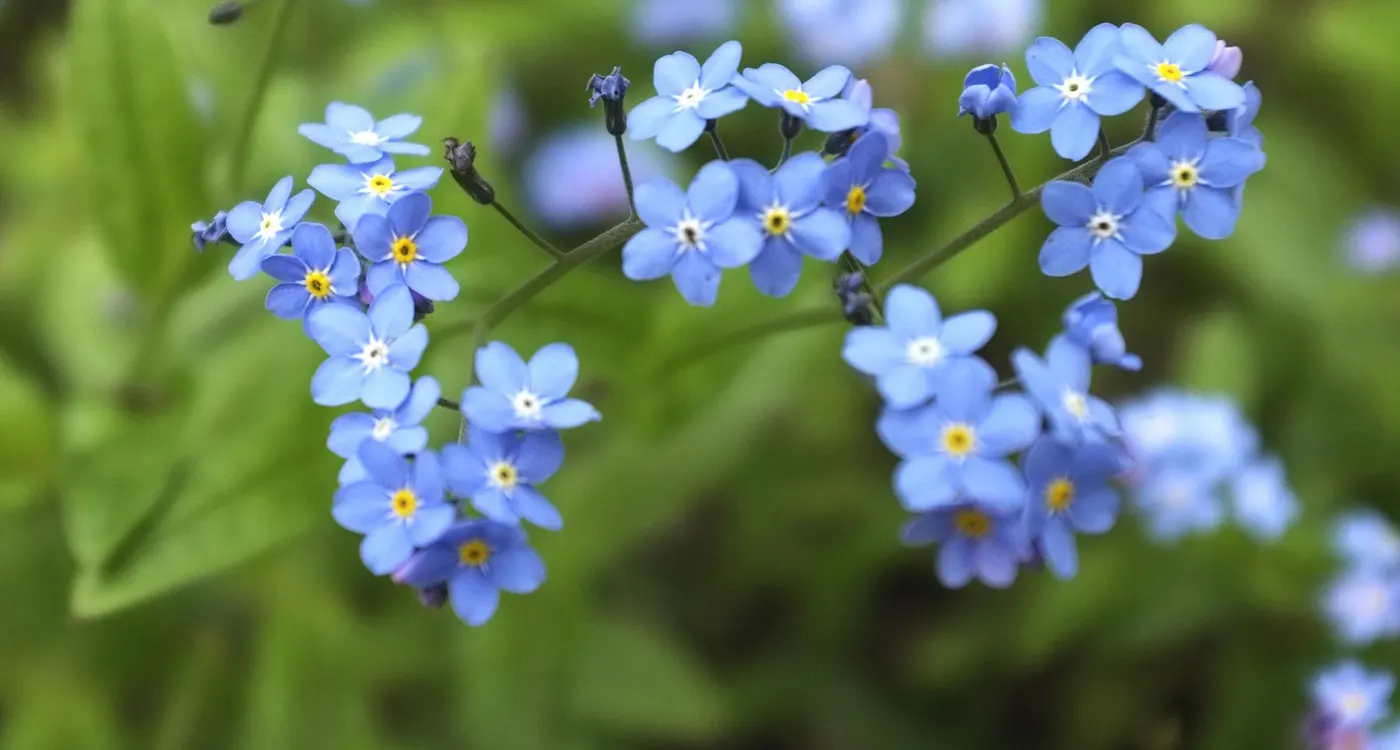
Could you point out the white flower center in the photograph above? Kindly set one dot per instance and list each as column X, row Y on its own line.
column 924, row 351
column 1076, row 87
column 1076, row 403
column 502, row 475
column 691, row 97
column 527, row 405
column 690, row 233
column 1354, row 704
column 1103, row 225
column 270, row 226
column 374, row 355
column 367, row 138
column 383, row 428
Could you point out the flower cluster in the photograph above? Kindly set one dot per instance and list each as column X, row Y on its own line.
column 1348, row 704
column 451, row 522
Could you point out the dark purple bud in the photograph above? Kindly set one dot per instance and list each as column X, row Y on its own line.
column 364, row 294
column 857, row 305
column 225, row 13
column 216, row 230
column 462, row 158
column 433, row 597
column 789, row 126
column 611, row 89
column 1227, row 60
column 422, row 307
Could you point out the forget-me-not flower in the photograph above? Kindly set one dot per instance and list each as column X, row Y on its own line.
column 979, row 28
column 1366, row 539
column 397, row 508
column 988, row 91
column 1372, row 241
column 878, row 120
column 1187, row 169
column 815, row 102
column 1107, row 227
column 573, row 177
column 691, row 235
column 477, row 560
column 1227, row 60
column 955, row 449
column 407, row 245
column 1363, row 605
column 787, row 206
column 514, row 395
column 666, row 21
column 1075, row 89
column 370, row 354
column 399, row 428
column 916, row 350
column 369, row 188
column 860, row 186
column 315, row 273
column 498, row 472
column 352, row 132
column 263, row 228
column 1060, row 384
column 1069, row 494
column 1092, row 322
column 688, row 94
column 844, row 32
column 1263, row 502
column 1178, row 501
column 977, row 542
column 1178, row 70
column 1354, row 696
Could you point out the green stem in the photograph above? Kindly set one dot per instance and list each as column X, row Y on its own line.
column 783, row 157
column 1105, row 148
column 1005, row 167
column 449, row 404
column 243, row 137
column 1149, row 131
column 530, row 234
column 626, row 173
column 719, row 144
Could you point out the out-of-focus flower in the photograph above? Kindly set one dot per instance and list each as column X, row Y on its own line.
column 573, row 178
column 842, row 32
column 981, row 28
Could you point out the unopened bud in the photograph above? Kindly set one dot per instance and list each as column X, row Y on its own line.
column 225, row 12
column 433, row 597
column 611, row 89
column 789, row 126
column 462, row 158
column 1227, row 60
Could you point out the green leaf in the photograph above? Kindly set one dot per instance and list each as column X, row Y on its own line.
column 635, row 679
column 28, row 445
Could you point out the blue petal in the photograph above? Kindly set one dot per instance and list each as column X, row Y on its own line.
column 313, row 245
column 297, row 207
column 534, row 508
column 432, row 281
column 420, row 402
column 697, row 279
column 799, row 181
column 649, row 254
column 1183, row 135
column 408, row 440
column 243, row 221
column 721, row 67
column 681, row 131
column 967, row 332
column 646, row 119
column 348, row 117
column 769, row 78
column 954, row 565
column 1069, row 204
column 408, row 215
column 733, row 243
column 1140, row 45
column 493, row 503
column 993, row 484
column 518, row 570
column 287, row 301
column 384, row 388
column 1151, row 162
column 463, row 470
column 386, row 548
column 1147, row 231
column 1049, row 61
column 912, row 311
column 539, row 456
column 675, row 73
column 248, row 260
column 384, row 274
column 906, row 432
column 891, row 193
column 337, row 381
column 927, row 528
column 717, row 104
column 996, row 563
column 660, row 203
column 418, row 178
column 1191, row 46
column 1066, row 251
column 1010, row 426
column 905, row 386
column 337, row 181
column 553, row 371
column 822, row 234
column 348, row 431
column 398, row 126
column 828, row 82
column 1118, row 186
column 428, row 567
column 867, row 242
column 360, row 507
column 756, row 189
column 388, row 469
column 427, row 479
column 1070, row 363
column 277, row 197
column 570, row 412
column 1075, row 131
column 1116, row 270
column 872, row 350
column 965, row 389
column 391, row 312
column 926, row 483
column 865, row 159
column 488, row 409
column 835, row 115
column 1061, row 555
column 1094, row 511
column 1094, row 54
column 320, row 134
column 430, row 523
column 777, row 268
column 713, row 193
column 1211, row 213
column 1227, row 163
column 1036, row 110
column 407, row 349
column 473, row 598
column 1114, row 94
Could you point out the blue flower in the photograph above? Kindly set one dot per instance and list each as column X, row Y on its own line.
column 1107, row 228
column 1372, row 241
column 215, row 230
column 1204, row 435
column 499, row 473
column 691, row 235
column 369, row 188
column 788, row 208
column 1353, row 696
column 262, row 229
column 370, row 355
column 573, row 178
column 1189, row 170
column 814, row 102
column 863, row 188
column 507, row 121
column 1060, row 384
column 1366, row 539
column 315, row 273
column 879, row 120
column 396, row 508
column 665, row 21
column 1226, row 60
column 955, row 449
column 399, row 428
column 407, row 246
column 1069, row 494
column 352, row 132
column 688, row 94
column 919, row 351
column 1092, row 322
column 1263, row 502
column 1363, row 605
column 477, row 560
column 988, row 91
column 848, row 32
column 1240, row 120
column 1075, row 89
column 1178, row 70
column 976, row 543
column 1178, row 501
column 517, row 396
column 979, row 28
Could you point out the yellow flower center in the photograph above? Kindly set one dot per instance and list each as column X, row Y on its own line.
column 1185, row 175
column 473, row 553
column 958, row 439
column 777, row 221
column 1076, row 403
column 1169, row 72
column 318, row 284
column 404, row 503
column 855, row 200
column 797, row 95
column 1059, row 494
column 504, row 475
column 381, row 184
column 405, row 250
column 973, row 524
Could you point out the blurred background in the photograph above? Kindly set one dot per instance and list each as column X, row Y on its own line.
column 729, row 575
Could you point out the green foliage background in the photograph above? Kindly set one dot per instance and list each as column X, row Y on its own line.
column 729, row 575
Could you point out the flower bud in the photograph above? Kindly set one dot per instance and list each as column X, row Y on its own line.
column 462, row 158
column 214, row 231
column 225, row 12
column 789, row 126
column 611, row 89
column 433, row 597
column 988, row 91
column 1226, row 61
column 1092, row 323
column 857, row 305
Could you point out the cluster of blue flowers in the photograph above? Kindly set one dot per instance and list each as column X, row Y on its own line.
column 1349, row 703
column 450, row 523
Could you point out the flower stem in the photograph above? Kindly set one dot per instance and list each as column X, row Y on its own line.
column 1149, row 131
column 530, row 234
column 243, row 137
column 626, row 174
column 783, row 157
column 1105, row 148
column 449, row 404
column 1005, row 167
column 713, row 130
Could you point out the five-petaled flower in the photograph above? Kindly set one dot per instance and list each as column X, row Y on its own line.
column 687, row 95
column 477, row 560
column 814, row 102
column 352, row 132
column 315, row 273
column 370, row 354
column 1188, row 169
column 787, row 206
column 1179, row 69
column 977, row 542
column 691, row 235
column 263, row 228
column 1060, row 384
column 865, row 190
column 397, row 508
column 1069, row 494
column 401, row 428
column 1353, row 696
column 369, row 188
column 499, row 471
column 514, row 395
column 407, row 245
